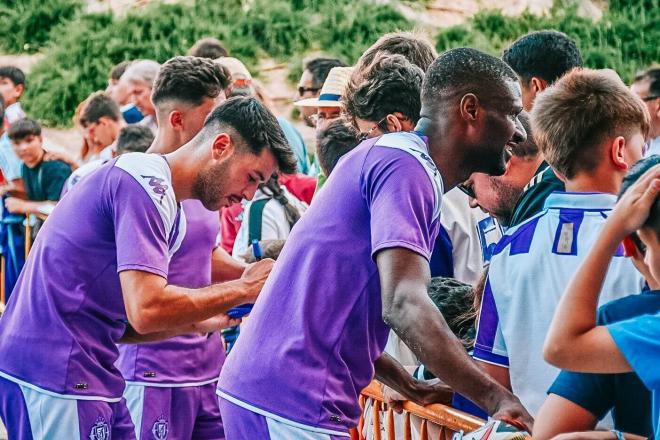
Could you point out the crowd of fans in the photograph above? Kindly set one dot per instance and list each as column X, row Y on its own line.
column 540, row 246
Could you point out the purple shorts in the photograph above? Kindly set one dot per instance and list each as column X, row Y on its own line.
column 242, row 424
column 175, row 413
column 31, row 414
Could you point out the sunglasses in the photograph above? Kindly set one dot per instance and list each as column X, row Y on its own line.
column 467, row 190
column 633, row 243
column 650, row 98
column 303, row 90
column 367, row 134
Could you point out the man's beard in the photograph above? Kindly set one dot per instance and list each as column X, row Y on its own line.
column 507, row 196
column 209, row 184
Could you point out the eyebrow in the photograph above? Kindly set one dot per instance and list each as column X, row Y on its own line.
column 261, row 176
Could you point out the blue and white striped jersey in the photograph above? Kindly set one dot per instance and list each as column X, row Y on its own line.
column 531, row 266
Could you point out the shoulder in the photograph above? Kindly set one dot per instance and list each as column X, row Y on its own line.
column 56, row 166
column 151, row 173
column 629, row 307
column 518, row 239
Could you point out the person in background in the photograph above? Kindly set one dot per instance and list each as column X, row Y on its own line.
column 576, row 341
column 131, row 139
column 270, row 215
column 12, row 87
column 591, row 130
column 101, row 121
column 647, row 86
column 315, row 73
column 210, row 48
column 328, row 105
column 10, row 164
column 332, row 142
column 121, row 93
column 539, row 59
column 43, row 180
column 139, row 78
column 415, row 47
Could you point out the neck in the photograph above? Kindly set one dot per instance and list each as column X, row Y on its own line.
column 166, row 141
column 36, row 162
column 608, row 182
column 184, row 166
column 445, row 150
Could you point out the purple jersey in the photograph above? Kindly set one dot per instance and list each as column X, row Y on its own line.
column 188, row 359
column 66, row 313
column 309, row 346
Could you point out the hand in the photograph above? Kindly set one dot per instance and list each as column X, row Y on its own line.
column 216, row 323
column 632, row 211
column 15, row 205
column 254, row 277
column 511, row 411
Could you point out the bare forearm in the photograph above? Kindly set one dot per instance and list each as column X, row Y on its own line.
column 130, row 336
column 224, row 267
column 424, row 330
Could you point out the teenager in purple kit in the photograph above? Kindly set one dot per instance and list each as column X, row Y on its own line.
column 356, row 265
column 98, row 275
column 170, row 385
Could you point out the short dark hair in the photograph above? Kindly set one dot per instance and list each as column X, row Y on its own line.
column 653, row 75
column 189, row 79
column 635, row 173
column 464, row 70
column 390, row 84
column 118, row 70
column 414, row 47
column 574, row 116
column 14, row 74
column 528, row 148
column 2, row 109
column 547, row 54
column 134, row 139
column 333, row 141
column 99, row 105
column 257, row 127
column 210, row 48
column 320, row 68
column 23, row 128
column 455, row 301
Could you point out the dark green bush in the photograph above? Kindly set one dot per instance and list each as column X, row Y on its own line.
column 625, row 39
column 26, row 25
column 78, row 59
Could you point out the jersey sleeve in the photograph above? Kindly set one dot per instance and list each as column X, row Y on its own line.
column 401, row 202
column 489, row 345
column 638, row 340
column 140, row 232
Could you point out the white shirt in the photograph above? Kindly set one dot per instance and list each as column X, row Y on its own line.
column 274, row 224
column 531, row 266
column 654, row 147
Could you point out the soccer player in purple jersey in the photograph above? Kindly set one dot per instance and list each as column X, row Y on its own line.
column 98, row 275
column 357, row 265
column 170, row 385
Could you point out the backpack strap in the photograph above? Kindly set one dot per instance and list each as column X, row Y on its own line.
column 256, row 217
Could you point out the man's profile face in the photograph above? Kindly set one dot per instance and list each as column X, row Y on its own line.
column 307, row 90
column 141, row 97
column 102, row 132
column 498, row 130
column 642, row 89
column 495, row 195
column 325, row 115
column 232, row 179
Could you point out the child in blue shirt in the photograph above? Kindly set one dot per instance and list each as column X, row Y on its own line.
column 575, row 341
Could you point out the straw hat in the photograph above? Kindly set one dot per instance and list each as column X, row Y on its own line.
column 332, row 89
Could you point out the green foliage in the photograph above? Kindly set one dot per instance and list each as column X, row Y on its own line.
column 26, row 25
column 625, row 39
column 80, row 55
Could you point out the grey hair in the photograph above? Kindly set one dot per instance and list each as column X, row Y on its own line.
column 143, row 71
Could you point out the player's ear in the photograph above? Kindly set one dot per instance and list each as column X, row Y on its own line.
column 222, row 147
column 469, row 107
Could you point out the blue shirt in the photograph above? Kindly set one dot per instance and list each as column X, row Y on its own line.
column 10, row 164
column 624, row 394
column 639, row 342
column 297, row 144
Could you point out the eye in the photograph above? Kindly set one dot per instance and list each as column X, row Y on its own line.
column 251, row 179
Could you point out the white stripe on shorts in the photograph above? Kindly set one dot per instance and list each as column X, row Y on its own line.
column 51, row 418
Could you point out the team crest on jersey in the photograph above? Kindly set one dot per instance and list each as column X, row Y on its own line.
column 160, row 428
column 100, row 430
column 156, row 184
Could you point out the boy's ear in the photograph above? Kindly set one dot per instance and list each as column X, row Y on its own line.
column 20, row 89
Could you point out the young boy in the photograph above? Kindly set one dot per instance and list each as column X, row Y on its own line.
column 101, row 121
column 43, row 180
column 591, row 129
column 12, row 86
column 575, row 342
